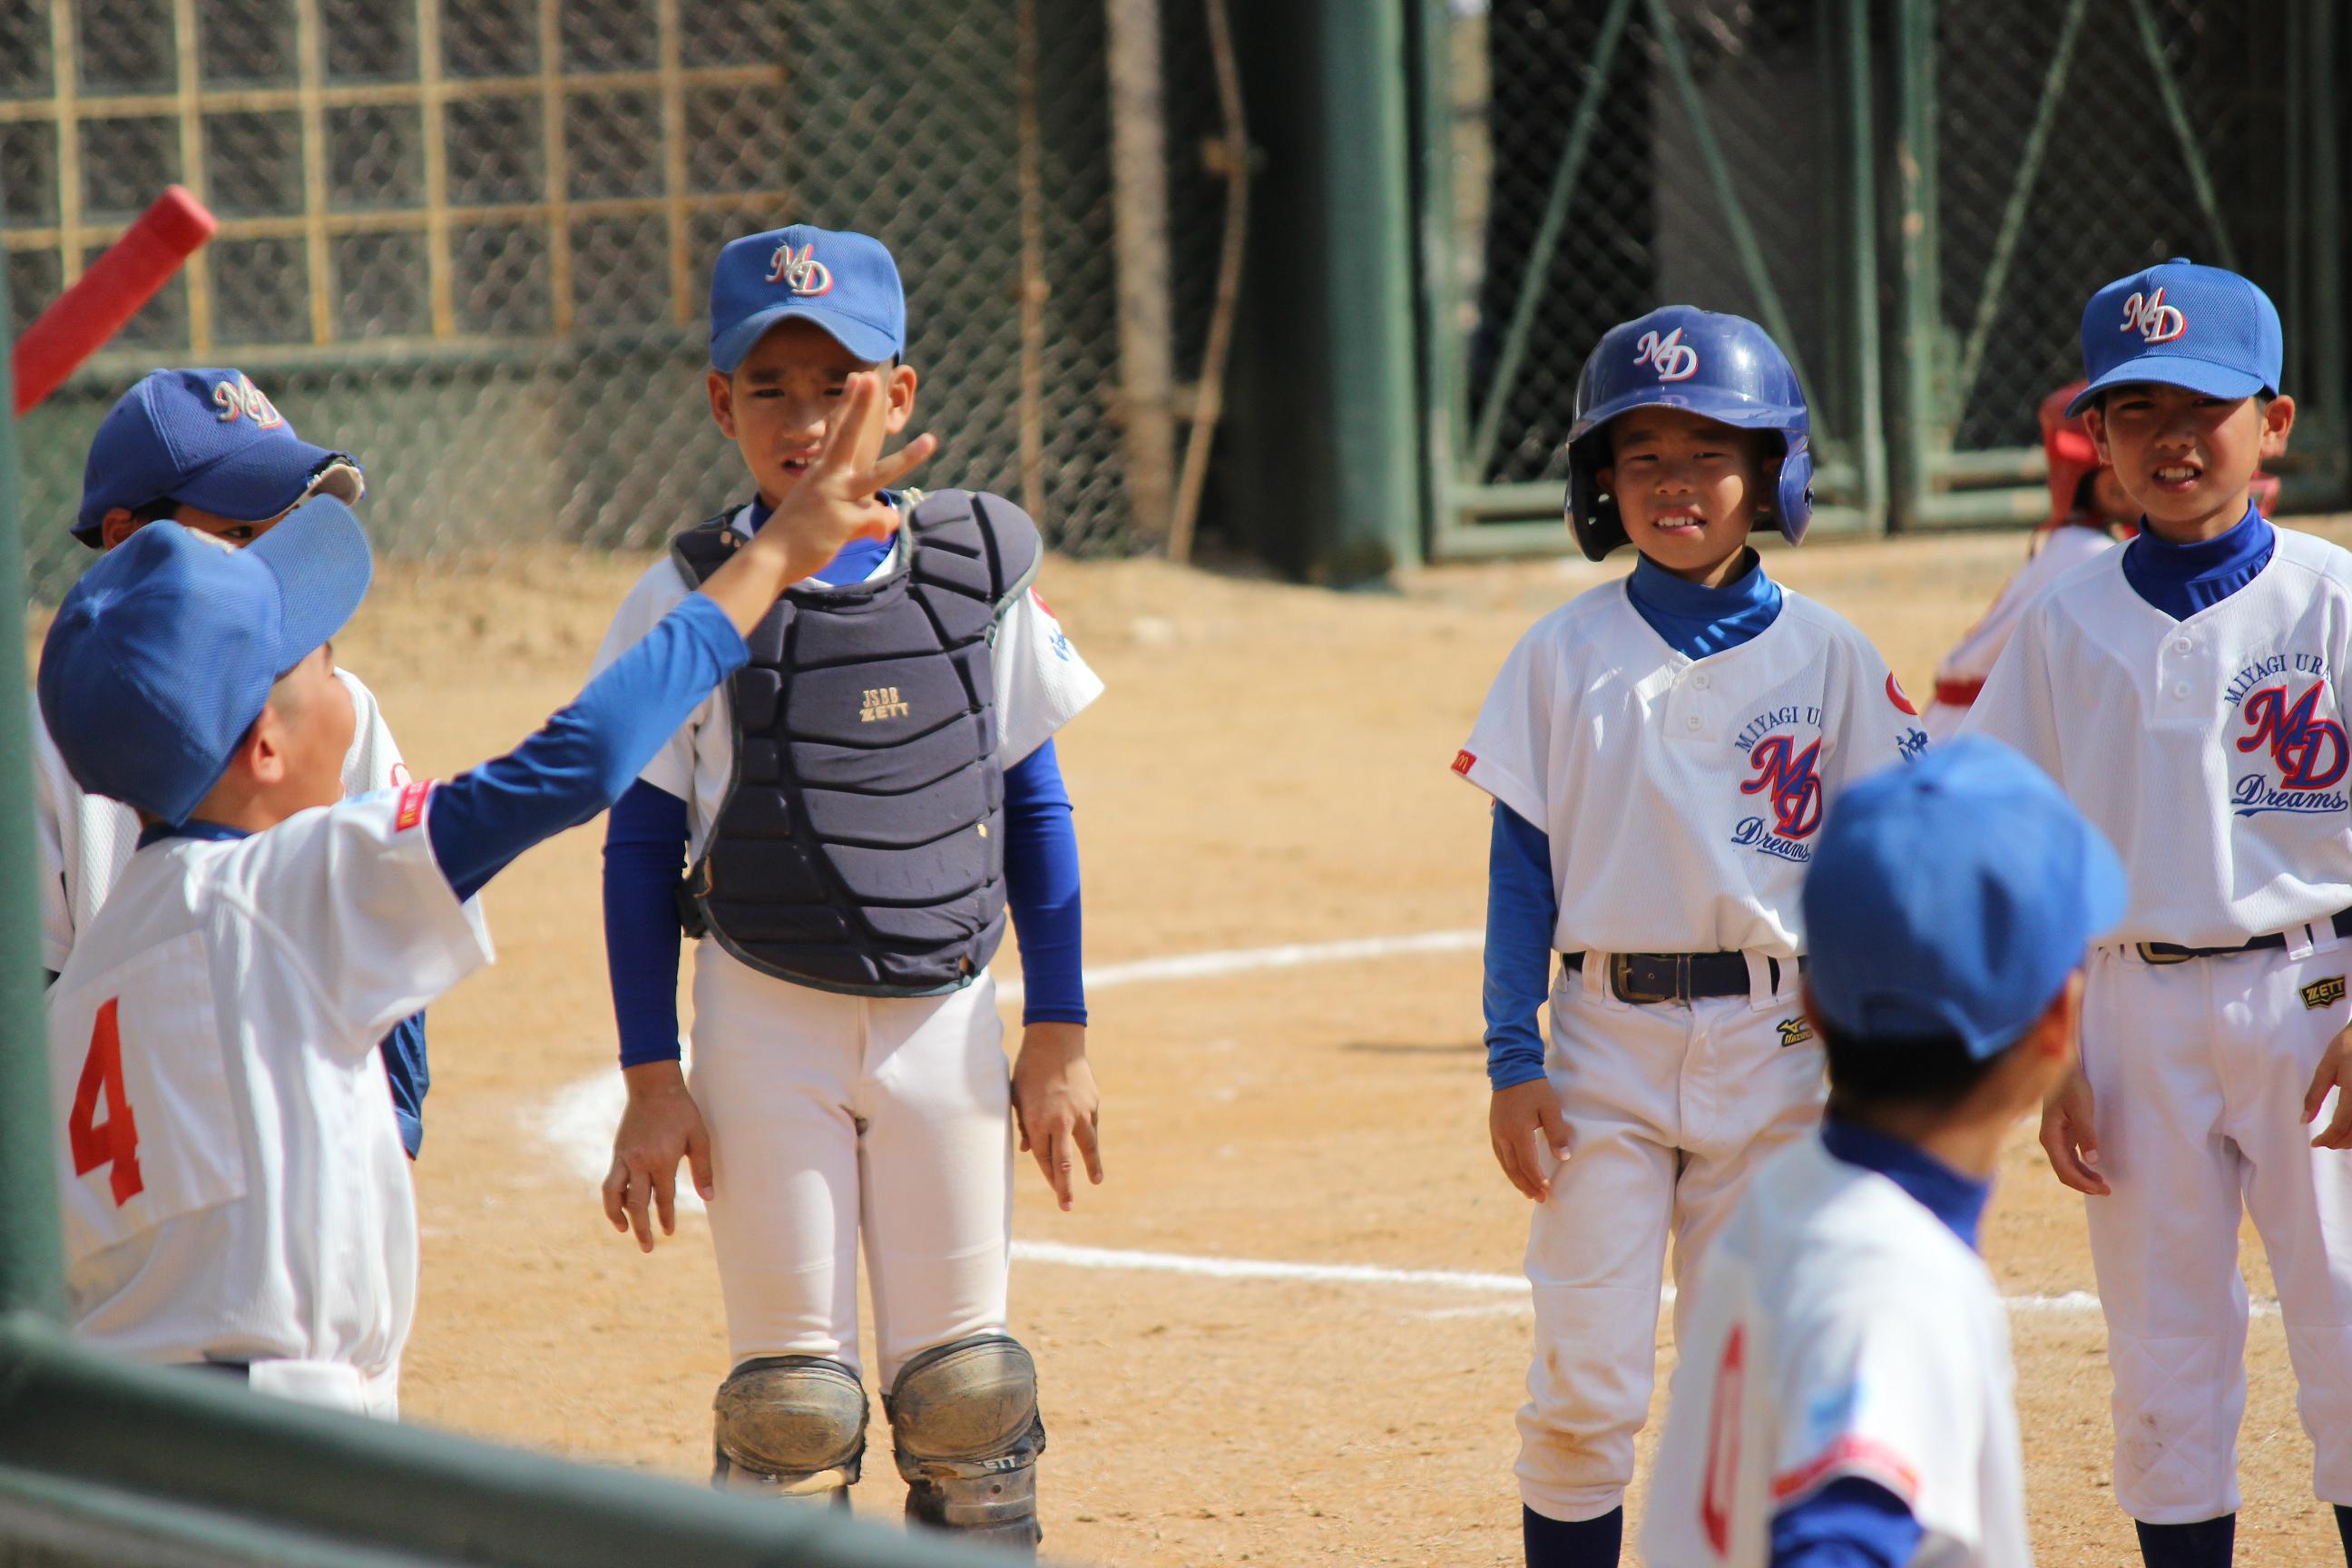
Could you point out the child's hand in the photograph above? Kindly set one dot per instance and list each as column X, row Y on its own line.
column 2068, row 1138
column 659, row 1127
column 1518, row 1116
column 1055, row 1105
column 2334, row 1073
column 838, row 498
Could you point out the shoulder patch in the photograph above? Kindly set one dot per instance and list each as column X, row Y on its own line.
column 1463, row 762
column 411, row 805
column 1896, row 695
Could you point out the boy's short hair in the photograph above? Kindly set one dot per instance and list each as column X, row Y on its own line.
column 1938, row 1070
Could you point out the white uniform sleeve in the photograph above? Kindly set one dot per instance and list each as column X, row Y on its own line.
column 1041, row 682
column 374, row 761
column 1510, row 745
column 353, row 895
column 1889, row 1389
column 1879, row 725
column 656, row 595
column 2015, row 704
column 54, row 797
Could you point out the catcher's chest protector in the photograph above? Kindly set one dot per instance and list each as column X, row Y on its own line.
column 861, row 844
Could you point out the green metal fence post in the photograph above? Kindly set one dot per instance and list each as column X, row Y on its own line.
column 32, row 1260
column 1918, row 320
column 1861, row 172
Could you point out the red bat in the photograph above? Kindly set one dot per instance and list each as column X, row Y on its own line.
column 79, row 321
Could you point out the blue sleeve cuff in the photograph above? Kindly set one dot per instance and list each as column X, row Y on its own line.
column 1041, row 885
column 1852, row 1523
column 1521, row 910
column 644, row 856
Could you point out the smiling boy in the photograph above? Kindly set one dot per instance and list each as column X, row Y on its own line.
column 1661, row 751
column 2186, row 691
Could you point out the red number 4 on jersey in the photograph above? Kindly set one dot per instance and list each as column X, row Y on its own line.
column 115, row 1140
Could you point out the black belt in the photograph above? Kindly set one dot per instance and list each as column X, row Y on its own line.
column 1643, row 978
column 2171, row 953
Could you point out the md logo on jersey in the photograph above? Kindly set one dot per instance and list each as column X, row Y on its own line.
column 1674, row 359
column 2152, row 319
column 800, row 271
column 240, row 399
column 1792, row 780
column 2308, row 751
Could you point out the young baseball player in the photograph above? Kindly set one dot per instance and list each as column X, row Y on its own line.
column 862, row 803
column 1661, row 751
column 1844, row 1395
column 2089, row 515
column 2184, row 690
column 207, row 449
column 233, row 1190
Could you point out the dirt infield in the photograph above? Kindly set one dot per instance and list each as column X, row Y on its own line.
column 1269, row 767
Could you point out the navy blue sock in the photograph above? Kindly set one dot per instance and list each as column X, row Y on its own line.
column 2343, row 1529
column 1586, row 1544
column 2208, row 1544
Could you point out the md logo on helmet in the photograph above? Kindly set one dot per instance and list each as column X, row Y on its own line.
column 1674, row 359
column 2152, row 319
column 800, row 271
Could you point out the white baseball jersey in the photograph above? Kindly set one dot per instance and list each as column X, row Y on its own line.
column 1963, row 671
column 1683, row 797
column 1041, row 685
column 1839, row 1330
column 86, row 840
column 234, row 1183
column 2210, row 752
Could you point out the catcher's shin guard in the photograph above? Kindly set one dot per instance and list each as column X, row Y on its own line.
column 966, row 1431
column 788, row 1427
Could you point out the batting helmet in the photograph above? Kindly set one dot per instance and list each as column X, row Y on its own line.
column 1724, row 368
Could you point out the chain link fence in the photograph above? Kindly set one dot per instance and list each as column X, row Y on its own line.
column 2076, row 141
column 1915, row 197
column 471, row 243
column 1606, row 158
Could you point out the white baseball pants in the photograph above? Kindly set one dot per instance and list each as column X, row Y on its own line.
column 834, row 1115
column 1669, row 1108
column 2198, row 1072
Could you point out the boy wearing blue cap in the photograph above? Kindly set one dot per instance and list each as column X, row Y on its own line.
column 1844, row 1392
column 1663, row 752
column 862, row 805
column 233, row 1190
column 2185, row 690
column 209, row 450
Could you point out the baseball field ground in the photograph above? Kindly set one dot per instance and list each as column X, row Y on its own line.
column 1291, row 1329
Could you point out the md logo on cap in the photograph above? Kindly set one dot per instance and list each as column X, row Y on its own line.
column 240, row 399
column 2152, row 319
column 1674, row 359
column 800, row 271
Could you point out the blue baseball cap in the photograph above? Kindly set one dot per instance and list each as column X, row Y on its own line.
column 162, row 655
column 846, row 283
column 1952, row 896
column 2181, row 324
column 209, row 438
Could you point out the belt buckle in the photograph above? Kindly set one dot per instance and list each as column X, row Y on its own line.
column 2148, row 954
column 1621, row 981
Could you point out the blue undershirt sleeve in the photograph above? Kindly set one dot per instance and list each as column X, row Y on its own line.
column 588, row 752
column 644, row 855
column 1850, row 1523
column 404, row 1065
column 1521, row 910
column 1041, row 885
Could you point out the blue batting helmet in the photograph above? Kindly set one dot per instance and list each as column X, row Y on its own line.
column 1724, row 368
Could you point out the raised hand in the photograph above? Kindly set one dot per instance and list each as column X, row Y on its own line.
column 838, row 499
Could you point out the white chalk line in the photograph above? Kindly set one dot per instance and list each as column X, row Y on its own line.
column 577, row 1124
column 1247, row 960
